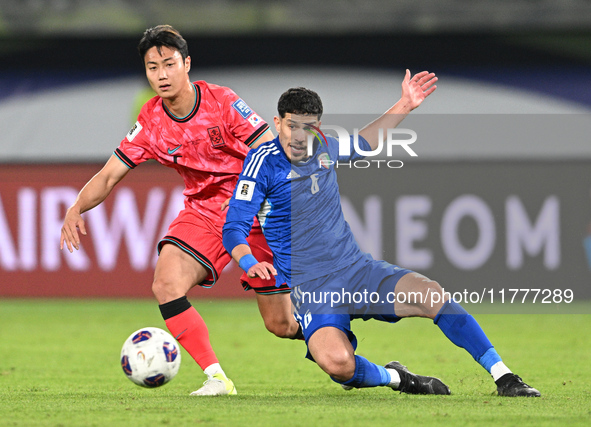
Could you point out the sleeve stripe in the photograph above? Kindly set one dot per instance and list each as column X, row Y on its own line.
column 252, row 168
column 256, row 135
column 124, row 159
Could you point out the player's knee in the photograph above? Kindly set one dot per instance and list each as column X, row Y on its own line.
column 340, row 365
column 158, row 289
column 432, row 297
column 431, row 287
column 423, row 298
column 164, row 291
column 281, row 328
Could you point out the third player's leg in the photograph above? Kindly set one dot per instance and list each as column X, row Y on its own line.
column 276, row 312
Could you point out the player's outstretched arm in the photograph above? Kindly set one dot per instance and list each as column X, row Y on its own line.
column 414, row 91
column 92, row 194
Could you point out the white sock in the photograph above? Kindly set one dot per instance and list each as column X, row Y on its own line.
column 498, row 370
column 394, row 378
column 213, row 369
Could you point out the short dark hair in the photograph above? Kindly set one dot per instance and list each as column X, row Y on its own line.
column 162, row 35
column 299, row 100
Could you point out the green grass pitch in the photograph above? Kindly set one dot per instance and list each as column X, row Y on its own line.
column 59, row 366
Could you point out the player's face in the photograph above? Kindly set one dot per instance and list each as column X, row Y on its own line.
column 166, row 71
column 293, row 130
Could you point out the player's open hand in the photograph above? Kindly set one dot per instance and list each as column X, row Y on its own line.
column 72, row 223
column 263, row 269
column 417, row 88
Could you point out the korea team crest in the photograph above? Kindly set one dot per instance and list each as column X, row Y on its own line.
column 215, row 136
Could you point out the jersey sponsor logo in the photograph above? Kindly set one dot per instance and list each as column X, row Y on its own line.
column 254, row 120
column 134, row 131
column 174, row 150
column 245, row 190
column 242, row 108
column 292, row 174
column 215, row 136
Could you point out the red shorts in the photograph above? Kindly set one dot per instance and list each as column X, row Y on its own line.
column 202, row 239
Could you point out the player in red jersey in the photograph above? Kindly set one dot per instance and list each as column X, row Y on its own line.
column 204, row 132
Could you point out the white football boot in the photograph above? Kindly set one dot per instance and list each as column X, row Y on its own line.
column 217, row 385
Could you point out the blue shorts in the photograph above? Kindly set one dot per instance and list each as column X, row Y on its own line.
column 365, row 290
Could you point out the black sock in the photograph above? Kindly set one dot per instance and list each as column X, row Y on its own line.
column 172, row 308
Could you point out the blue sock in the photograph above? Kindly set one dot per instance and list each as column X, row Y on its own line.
column 465, row 332
column 489, row 358
column 367, row 374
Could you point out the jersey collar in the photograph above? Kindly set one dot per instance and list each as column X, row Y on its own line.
column 193, row 111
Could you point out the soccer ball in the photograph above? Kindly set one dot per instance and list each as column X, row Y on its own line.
column 150, row 357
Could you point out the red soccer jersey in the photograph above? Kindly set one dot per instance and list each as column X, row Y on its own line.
column 207, row 147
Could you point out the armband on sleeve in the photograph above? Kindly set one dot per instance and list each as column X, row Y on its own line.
column 247, row 261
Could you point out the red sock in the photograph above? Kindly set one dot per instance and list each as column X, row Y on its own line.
column 191, row 332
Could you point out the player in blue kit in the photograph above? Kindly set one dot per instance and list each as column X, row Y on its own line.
column 294, row 192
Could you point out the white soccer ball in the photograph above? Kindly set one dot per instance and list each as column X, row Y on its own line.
column 150, row 357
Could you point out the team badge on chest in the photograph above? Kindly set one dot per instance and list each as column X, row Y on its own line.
column 215, row 136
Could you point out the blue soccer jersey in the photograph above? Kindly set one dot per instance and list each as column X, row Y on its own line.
column 294, row 204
